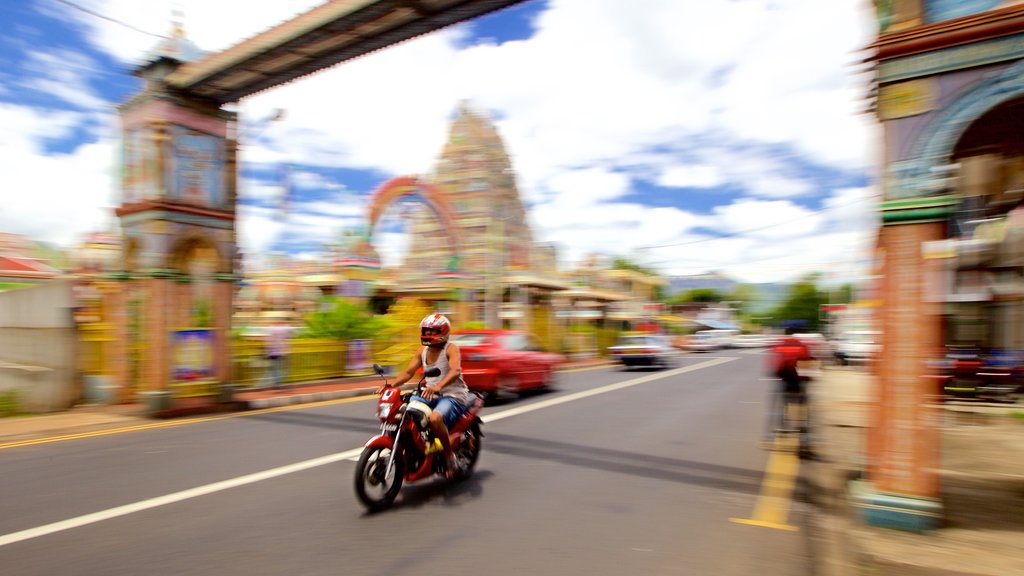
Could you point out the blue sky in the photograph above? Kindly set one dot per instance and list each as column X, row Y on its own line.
column 688, row 135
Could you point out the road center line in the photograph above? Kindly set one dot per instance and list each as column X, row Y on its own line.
column 173, row 497
column 603, row 389
column 198, row 491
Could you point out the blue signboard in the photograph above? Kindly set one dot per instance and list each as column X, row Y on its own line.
column 197, row 168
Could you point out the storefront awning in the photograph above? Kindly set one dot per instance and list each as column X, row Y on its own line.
column 717, row 325
column 674, row 319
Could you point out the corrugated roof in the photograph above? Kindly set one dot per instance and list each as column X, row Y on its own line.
column 16, row 266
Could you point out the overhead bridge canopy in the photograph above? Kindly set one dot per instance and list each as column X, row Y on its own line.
column 334, row 32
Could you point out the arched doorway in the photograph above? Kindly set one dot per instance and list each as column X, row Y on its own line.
column 443, row 238
column 197, row 309
column 989, row 156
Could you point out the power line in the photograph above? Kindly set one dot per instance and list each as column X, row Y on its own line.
column 756, row 229
column 108, row 18
column 749, row 261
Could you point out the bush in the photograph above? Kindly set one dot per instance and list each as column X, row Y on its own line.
column 9, row 405
column 343, row 320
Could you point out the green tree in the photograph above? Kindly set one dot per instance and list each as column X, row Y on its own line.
column 743, row 297
column 845, row 295
column 340, row 319
column 708, row 295
column 620, row 263
column 803, row 303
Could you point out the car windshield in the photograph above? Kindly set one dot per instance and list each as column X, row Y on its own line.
column 470, row 339
column 639, row 341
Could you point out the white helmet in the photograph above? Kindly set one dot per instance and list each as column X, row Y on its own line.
column 434, row 330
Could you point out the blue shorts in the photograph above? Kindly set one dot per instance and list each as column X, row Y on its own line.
column 449, row 408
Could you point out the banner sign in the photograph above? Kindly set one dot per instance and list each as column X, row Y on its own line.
column 193, row 355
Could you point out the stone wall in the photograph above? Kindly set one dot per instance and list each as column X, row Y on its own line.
column 37, row 347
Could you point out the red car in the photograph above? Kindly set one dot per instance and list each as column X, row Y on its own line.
column 504, row 361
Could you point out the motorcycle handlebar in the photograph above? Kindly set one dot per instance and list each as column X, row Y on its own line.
column 431, row 373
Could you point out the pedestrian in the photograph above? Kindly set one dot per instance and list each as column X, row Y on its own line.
column 277, row 352
column 789, row 388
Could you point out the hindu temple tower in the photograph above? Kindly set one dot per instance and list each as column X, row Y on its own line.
column 475, row 176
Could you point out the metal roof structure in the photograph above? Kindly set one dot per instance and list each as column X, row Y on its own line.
column 327, row 35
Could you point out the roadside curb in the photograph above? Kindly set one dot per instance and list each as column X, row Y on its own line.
column 309, row 398
column 261, row 403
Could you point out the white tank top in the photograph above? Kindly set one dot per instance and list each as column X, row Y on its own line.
column 455, row 389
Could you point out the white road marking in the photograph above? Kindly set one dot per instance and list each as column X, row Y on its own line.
column 173, row 497
column 602, row 389
column 198, row 491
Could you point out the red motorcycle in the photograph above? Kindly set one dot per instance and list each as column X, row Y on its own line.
column 406, row 449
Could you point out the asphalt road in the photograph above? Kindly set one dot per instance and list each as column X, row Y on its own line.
column 615, row 472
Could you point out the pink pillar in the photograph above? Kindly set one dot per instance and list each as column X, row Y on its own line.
column 902, row 487
column 116, row 352
column 223, row 291
column 156, row 343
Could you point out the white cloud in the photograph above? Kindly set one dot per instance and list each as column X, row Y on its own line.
column 582, row 105
column 54, row 197
column 762, row 219
column 779, row 241
column 585, row 187
column 391, row 247
column 64, row 74
column 258, row 229
column 691, row 176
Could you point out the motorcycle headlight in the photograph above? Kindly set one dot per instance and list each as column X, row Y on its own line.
column 384, row 410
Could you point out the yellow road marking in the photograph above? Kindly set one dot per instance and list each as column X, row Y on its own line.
column 172, row 423
column 772, row 507
column 763, row 524
column 585, row 368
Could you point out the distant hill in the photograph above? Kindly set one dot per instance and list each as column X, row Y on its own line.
column 720, row 282
column 769, row 295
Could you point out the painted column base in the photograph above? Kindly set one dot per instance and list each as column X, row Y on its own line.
column 156, row 401
column 908, row 513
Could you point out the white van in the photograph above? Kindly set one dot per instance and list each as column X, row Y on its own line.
column 857, row 346
column 710, row 340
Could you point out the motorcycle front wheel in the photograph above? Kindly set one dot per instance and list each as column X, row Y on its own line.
column 375, row 491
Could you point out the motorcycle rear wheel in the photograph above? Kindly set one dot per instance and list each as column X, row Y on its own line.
column 373, row 490
column 468, row 452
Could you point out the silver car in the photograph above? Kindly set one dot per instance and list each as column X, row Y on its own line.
column 644, row 350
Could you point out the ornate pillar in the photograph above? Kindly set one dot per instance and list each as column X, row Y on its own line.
column 156, row 343
column 902, row 489
column 116, row 359
column 177, row 214
column 223, row 298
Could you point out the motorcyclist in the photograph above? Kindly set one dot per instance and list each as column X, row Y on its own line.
column 447, row 393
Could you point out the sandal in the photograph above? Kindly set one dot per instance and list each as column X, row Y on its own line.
column 450, row 469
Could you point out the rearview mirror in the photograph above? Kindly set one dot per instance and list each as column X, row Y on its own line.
column 433, row 372
column 378, row 369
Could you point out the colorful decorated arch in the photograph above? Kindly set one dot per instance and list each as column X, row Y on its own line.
column 412, row 187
